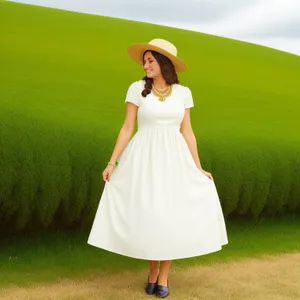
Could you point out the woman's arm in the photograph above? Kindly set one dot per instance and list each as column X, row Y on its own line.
column 126, row 131
column 189, row 136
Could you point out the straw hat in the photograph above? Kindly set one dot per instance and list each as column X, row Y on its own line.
column 164, row 47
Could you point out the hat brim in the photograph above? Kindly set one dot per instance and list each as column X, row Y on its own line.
column 136, row 52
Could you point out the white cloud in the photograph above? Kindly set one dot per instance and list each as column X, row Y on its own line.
column 273, row 23
column 291, row 45
column 253, row 19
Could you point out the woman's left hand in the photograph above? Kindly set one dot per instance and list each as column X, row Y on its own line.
column 207, row 174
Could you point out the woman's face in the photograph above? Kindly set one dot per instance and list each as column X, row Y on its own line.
column 151, row 66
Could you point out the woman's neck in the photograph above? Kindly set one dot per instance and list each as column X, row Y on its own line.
column 159, row 83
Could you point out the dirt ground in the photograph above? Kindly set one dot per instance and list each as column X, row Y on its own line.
column 268, row 278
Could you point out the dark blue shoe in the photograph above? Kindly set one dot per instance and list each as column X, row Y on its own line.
column 162, row 291
column 151, row 287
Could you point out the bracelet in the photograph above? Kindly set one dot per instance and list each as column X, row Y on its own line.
column 110, row 163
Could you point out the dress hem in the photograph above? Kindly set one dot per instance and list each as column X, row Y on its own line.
column 159, row 259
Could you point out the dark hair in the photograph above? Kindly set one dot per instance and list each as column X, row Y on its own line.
column 167, row 69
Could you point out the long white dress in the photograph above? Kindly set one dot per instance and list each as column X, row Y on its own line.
column 158, row 205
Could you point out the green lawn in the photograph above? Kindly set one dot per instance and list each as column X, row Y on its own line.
column 51, row 256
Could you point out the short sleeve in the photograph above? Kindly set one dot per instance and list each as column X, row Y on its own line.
column 134, row 93
column 188, row 99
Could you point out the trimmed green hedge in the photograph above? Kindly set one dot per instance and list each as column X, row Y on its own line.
column 51, row 176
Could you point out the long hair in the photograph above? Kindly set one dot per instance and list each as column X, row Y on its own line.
column 167, row 69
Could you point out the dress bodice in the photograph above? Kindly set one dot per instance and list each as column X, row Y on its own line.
column 152, row 112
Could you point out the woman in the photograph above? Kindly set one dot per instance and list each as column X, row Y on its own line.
column 158, row 204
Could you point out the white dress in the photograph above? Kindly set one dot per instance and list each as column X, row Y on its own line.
column 158, row 205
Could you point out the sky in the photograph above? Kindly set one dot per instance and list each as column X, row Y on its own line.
column 272, row 23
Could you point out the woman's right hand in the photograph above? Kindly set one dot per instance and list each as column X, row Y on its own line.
column 106, row 174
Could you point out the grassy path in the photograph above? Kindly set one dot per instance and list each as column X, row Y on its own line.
column 265, row 278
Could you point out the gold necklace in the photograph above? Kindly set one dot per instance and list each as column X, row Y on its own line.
column 160, row 92
column 162, row 96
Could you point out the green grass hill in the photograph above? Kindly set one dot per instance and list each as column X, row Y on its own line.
column 63, row 81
